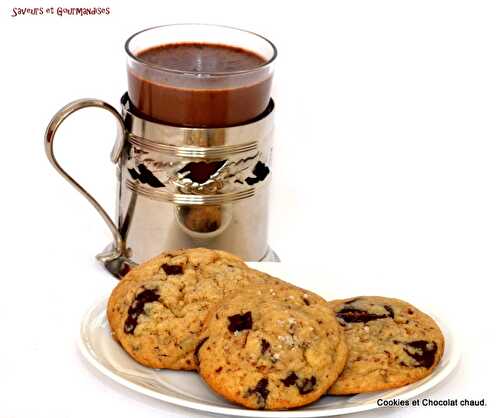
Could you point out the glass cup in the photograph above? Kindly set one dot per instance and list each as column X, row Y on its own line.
column 191, row 95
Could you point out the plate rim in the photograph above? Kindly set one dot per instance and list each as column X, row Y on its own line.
column 88, row 353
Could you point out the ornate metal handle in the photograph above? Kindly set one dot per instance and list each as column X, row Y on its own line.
column 119, row 249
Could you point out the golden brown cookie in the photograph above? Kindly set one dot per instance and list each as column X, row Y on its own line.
column 391, row 344
column 157, row 311
column 271, row 347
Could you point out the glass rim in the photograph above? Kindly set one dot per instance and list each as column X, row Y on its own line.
column 197, row 73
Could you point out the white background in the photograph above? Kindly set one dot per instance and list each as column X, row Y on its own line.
column 386, row 174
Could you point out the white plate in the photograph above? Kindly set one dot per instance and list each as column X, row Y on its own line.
column 187, row 389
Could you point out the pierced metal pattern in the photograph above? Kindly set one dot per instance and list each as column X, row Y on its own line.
column 193, row 165
column 171, row 175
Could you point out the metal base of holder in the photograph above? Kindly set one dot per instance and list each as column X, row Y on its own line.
column 270, row 256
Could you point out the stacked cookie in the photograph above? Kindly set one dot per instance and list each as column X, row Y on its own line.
column 272, row 347
column 261, row 342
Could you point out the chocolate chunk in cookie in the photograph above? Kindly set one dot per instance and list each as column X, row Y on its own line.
column 264, row 346
column 137, row 308
column 197, row 349
column 261, row 392
column 306, row 385
column 423, row 352
column 350, row 315
column 172, row 269
column 240, row 322
column 290, row 379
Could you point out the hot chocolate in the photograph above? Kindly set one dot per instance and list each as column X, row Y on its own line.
column 199, row 84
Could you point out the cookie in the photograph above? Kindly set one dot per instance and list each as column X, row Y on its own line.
column 157, row 310
column 391, row 344
column 271, row 347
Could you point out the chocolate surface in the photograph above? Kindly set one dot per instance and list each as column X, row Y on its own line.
column 199, row 99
